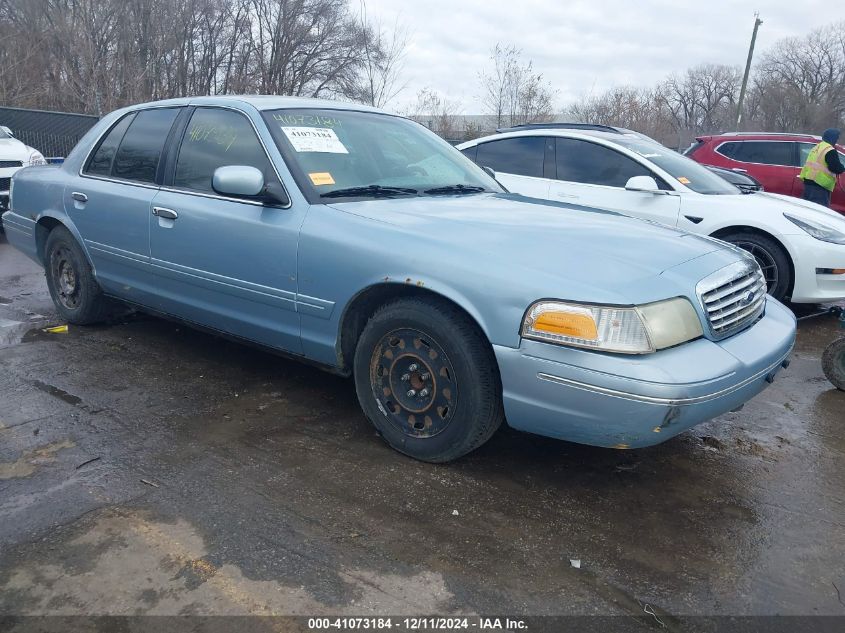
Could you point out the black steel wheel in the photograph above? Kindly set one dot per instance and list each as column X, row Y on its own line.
column 74, row 291
column 427, row 379
column 772, row 258
column 413, row 379
column 63, row 271
column 833, row 363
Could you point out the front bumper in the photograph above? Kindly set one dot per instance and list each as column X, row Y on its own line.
column 809, row 255
column 634, row 401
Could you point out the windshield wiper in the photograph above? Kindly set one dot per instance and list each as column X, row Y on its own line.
column 455, row 189
column 375, row 191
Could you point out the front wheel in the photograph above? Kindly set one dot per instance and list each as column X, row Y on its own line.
column 833, row 363
column 773, row 260
column 427, row 379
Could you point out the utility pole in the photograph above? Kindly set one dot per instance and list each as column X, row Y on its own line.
column 757, row 23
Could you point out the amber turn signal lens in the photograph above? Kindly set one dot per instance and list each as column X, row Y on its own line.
column 567, row 324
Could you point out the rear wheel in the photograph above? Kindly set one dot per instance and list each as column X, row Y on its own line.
column 427, row 379
column 72, row 286
column 772, row 258
column 833, row 363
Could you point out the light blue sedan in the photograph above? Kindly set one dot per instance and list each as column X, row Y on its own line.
column 360, row 241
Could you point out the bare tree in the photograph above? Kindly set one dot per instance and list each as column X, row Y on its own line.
column 702, row 99
column 800, row 82
column 437, row 113
column 512, row 92
column 96, row 55
column 383, row 59
column 641, row 109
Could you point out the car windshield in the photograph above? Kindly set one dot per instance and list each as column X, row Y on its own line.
column 4, row 134
column 340, row 155
column 685, row 170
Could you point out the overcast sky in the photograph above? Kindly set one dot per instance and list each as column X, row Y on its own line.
column 584, row 47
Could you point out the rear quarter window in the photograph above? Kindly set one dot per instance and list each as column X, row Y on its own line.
column 101, row 160
column 728, row 149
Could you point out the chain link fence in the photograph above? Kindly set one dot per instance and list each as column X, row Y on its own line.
column 53, row 134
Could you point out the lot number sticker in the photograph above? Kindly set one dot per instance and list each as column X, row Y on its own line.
column 314, row 139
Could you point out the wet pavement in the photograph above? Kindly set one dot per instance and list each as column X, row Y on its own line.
column 146, row 468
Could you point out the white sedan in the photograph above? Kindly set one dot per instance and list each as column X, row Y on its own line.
column 13, row 156
column 799, row 245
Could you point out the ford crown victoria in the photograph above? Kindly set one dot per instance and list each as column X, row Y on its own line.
column 360, row 241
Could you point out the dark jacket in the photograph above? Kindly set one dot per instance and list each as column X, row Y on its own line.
column 833, row 162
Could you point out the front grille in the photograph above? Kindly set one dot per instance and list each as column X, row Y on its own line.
column 733, row 297
column 10, row 163
column 4, row 184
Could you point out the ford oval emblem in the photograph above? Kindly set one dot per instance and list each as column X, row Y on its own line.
column 748, row 299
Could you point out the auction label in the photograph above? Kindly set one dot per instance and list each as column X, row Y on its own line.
column 314, row 139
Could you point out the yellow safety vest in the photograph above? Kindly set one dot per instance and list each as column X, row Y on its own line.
column 815, row 168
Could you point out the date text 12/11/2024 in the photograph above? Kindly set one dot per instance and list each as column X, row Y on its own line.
column 417, row 623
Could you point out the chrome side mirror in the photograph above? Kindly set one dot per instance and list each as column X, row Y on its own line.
column 238, row 180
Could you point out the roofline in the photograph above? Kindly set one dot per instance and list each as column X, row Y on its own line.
column 554, row 125
column 587, row 135
column 763, row 134
column 261, row 103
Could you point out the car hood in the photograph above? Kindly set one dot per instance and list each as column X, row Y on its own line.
column 768, row 206
column 802, row 207
column 535, row 238
column 13, row 149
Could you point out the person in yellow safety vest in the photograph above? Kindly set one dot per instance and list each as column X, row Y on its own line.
column 821, row 169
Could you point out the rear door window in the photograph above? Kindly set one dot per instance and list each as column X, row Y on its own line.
column 593, row 164
column 763, row 152
column 139, row 153
column 521, row 156
column 217, row 138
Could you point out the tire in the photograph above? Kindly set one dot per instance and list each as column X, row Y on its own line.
column 772, row 259
column 75, row 293
column 427, row 379
column 833, row 363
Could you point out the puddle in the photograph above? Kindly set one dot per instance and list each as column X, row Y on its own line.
column 14, row 332
column 30, row 460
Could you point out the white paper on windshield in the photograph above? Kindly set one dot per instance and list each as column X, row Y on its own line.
column 314, row 139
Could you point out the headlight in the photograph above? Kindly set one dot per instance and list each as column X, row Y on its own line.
column 36, row 158
column 817, row 229
column 638, row 330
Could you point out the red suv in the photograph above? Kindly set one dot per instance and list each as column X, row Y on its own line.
column 773, row 159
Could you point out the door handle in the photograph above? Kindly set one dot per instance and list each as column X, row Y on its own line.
column 167, row 214
column 79, row 196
